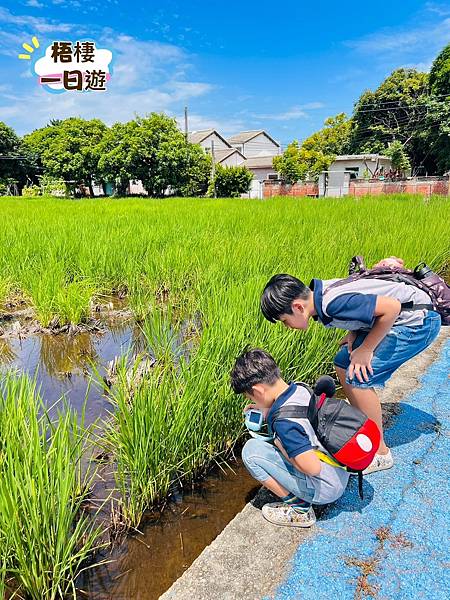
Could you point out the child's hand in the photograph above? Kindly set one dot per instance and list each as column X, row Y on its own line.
column 361, row 362
column 348, row 339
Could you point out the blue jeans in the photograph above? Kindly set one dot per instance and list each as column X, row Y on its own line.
column 264, row 460
column 399, row 345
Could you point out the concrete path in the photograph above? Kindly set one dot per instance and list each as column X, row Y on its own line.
column 395, row 544
column 392, row 544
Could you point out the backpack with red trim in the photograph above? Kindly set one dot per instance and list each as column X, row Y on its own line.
column 346, row 433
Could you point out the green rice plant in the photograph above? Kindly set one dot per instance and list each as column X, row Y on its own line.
column 45, row 537
column 139, row 436
column 204, row 261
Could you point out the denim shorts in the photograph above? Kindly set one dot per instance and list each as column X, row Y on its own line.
column 398, row 346
column 264, row 460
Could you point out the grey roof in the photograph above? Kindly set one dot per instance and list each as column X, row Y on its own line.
column 197, row 137
column 246, row 136
column 361, row 157
column 224, row 153
column 259, row 162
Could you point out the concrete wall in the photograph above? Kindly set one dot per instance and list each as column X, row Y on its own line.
column 258, row 146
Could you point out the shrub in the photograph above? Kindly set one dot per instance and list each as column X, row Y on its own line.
column 230, row 182
column 31, row 190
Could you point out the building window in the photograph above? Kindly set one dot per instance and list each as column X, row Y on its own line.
column 272, row 176
column 354, row 172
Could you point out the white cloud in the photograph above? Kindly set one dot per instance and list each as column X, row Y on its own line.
column 110, row 106
column 296, row 112
column 440, row 9
column 395, row 42
column 37, row 24
column 198, row 122
column 423, row 66
column 34, row 4
column 136, row 62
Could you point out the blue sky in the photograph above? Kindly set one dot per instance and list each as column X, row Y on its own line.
column 237, row 65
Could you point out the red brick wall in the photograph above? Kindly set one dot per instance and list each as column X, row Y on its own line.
column 362, row 188
column 426, row 188
column 275, row 188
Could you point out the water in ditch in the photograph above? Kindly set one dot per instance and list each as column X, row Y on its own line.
column 147, row 563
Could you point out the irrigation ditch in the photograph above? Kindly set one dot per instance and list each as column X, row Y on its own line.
column 76, row 368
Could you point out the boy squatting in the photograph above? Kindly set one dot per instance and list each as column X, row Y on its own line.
column 289, row 468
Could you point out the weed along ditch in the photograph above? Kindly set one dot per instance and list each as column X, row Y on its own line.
column 120, row 320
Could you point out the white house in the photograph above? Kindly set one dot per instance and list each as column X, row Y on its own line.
column 262, row 168
column 255, row 143
column 228, row 157
column 205, row 137
column 335, row 181
column 361, row 165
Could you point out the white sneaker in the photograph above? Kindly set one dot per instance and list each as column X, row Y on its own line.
column 380, row 462
column 281, row 513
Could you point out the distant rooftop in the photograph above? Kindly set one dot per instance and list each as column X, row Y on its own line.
column 197, row 137
column 224, row 153
column 259, row 162
column 246, row 136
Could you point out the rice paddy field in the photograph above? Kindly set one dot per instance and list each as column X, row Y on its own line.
column 191, row 272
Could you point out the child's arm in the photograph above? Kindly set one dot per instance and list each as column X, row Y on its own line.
column 307, row 462
column 386, row 312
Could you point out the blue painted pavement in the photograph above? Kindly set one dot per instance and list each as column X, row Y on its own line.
column 410, row 557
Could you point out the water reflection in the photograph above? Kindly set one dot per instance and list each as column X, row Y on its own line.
column 63, row 364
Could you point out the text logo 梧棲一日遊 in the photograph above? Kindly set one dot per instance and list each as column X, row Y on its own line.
column 71, row 66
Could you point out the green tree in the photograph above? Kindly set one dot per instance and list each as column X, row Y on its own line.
column 396, row 110
column 196, row 177
column 70, row 150
column 153, row 149
column 399, row 159
column 230, row 182
column 316, row 153
column 15, row 162
column 118, row 162
column 439, row 80
column 434, row 138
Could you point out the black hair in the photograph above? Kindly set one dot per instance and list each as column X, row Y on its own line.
column 252, row 367
column 278, row 295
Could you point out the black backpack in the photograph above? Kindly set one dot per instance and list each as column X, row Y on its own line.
column 344, row 431
column 421, row 277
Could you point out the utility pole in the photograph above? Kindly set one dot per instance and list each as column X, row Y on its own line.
column 186, row 123
column 213, row 168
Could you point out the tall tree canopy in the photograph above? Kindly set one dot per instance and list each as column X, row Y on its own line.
column 153, row 149
column 440, row 74
column 70, row 149
column 396, row 110
column 308, row 160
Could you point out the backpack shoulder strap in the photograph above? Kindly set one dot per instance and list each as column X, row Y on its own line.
column 294, row 411
column 290, row 412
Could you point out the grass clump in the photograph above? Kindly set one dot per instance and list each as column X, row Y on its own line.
column 45, row 536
